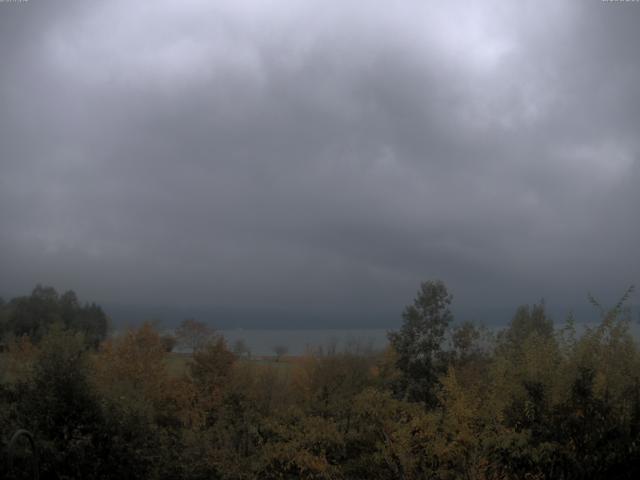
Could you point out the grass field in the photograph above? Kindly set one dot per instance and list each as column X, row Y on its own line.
column 177, row 363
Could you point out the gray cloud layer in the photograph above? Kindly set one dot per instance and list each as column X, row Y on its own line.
column 315, row 155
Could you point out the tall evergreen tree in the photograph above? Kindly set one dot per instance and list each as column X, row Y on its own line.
column 418, row 344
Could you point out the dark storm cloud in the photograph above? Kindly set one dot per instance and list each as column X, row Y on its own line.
column 314, row 155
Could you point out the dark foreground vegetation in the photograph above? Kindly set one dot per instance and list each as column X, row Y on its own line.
column 444, row 401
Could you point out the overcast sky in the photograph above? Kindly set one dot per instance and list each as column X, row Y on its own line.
column 318, row 155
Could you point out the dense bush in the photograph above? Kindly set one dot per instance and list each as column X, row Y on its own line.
column 444, row 401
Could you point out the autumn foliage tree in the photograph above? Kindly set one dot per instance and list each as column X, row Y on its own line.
column 193, row 335
column 530, row 401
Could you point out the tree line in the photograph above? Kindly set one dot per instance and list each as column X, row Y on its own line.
column 32, row 316
column 443, row 401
